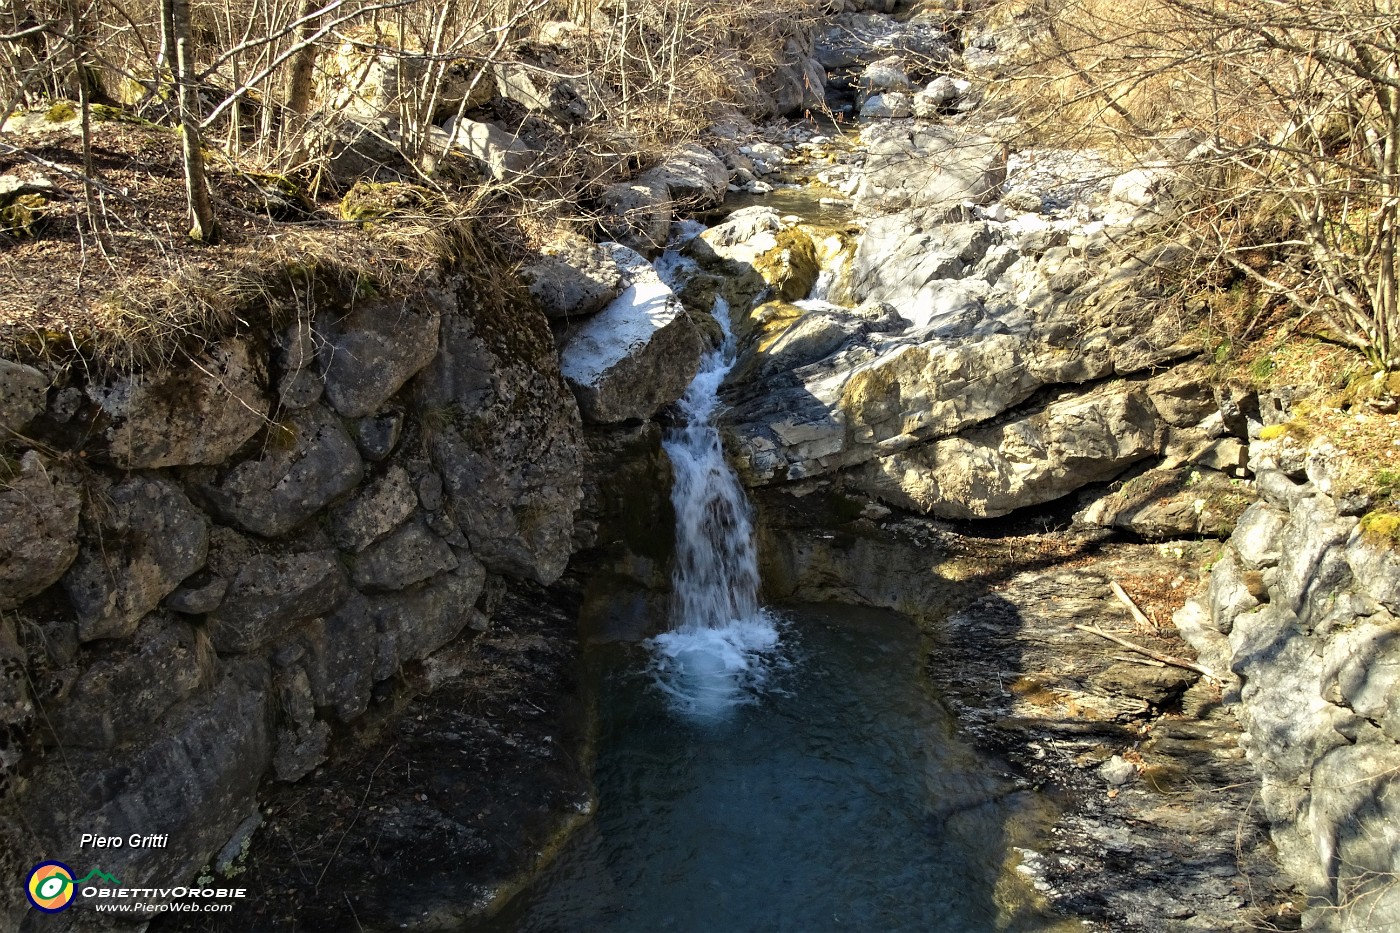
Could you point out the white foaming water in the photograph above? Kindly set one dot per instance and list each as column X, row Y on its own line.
column 722, row 645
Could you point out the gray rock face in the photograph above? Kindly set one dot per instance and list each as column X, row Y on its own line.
column 39, row 511
column 1174, row 502
column 341, row 650
column 23, row 394
column 822, row 332
column 508, row 445
column 910, row 267
column 126, row 691
column 692, row 176
column 637, row 213
column 504, row 154
column 415, row 623
column 1294, row 605
column 887, row 74
column 272, row 594
column 197, row 775
column 309, row 462
column 993, row 471
column 150, row 538
column 198, row 414
column 369, row 353
column 839, row 417
column 638, row 354
column 891, row 105
column 408, row 555
column 375, row 511
column 574, row 278
column 928, row 168
column 301, row 738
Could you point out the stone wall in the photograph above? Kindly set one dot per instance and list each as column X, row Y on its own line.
column 209, row 572
column 1300, row 615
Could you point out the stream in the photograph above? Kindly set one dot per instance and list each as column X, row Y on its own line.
column 841, row 798
column 760, row 770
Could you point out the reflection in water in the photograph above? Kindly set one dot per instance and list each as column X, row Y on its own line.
column 841, row 801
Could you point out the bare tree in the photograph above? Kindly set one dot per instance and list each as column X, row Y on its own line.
column 1298, row 102
column 203, row 226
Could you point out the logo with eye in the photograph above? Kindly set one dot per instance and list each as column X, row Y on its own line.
column 50, row 887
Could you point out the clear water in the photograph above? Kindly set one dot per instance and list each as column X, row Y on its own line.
column 721, row 646
column 840, row 800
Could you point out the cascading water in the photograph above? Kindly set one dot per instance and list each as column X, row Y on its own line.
column 722, row 645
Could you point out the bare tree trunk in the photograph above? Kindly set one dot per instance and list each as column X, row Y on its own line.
column 299, row 83
column 203, row 227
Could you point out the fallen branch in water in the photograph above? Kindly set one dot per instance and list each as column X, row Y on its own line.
column 1154, row 655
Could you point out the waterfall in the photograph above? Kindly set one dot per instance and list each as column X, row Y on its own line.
column 722, row 645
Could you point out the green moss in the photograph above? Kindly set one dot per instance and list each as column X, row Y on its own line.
column 1381, row 527
column 22, row 215
column 61, row 112
column 1291, row 429
column 370, row 201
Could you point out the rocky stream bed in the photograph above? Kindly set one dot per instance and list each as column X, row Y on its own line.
column 964, row 391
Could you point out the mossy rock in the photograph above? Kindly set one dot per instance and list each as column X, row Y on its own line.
column 61, row 112
column 370, row 201
column 1381, row 527
column 790, row 268
column 22, row 215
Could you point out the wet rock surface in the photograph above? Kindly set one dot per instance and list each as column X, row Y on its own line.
column 438, row 805
column 1160, row 825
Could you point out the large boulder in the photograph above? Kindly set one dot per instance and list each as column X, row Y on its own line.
column 503, row 153
column 929, row 168
column 23, row 392
column 147, row 540
column 574, row 277
column 692, row 176
column 369, row 352
column 989, row 472
column 308, row 463
column 638, row 354
column 364, row 80
column 199, row 413
column 39, row 508
column 637, row 213
column 919, row 268
column 505, row 435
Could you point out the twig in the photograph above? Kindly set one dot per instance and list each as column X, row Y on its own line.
column 1138, row 615
column 1145, row 662
column 1156, row 656
column 341, row 841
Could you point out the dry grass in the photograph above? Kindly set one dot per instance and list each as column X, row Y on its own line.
column 120, row 287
